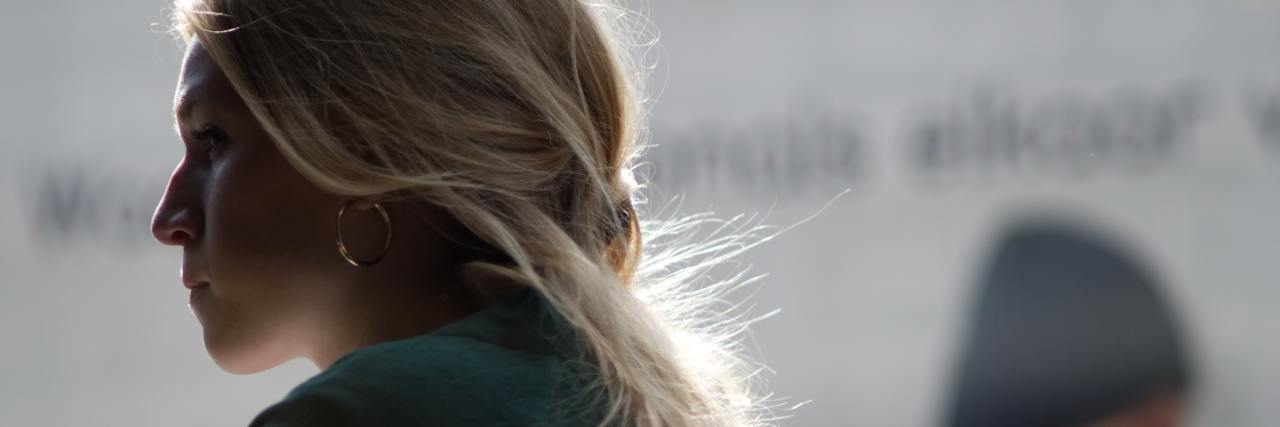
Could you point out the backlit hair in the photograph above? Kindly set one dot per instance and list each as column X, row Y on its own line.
column 523, row 119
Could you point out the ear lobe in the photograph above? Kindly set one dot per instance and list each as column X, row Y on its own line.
column 363, row 204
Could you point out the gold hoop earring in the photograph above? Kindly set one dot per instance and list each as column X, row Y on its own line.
column 342, row 248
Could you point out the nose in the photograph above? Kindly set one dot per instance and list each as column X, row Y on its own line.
column 178, row 218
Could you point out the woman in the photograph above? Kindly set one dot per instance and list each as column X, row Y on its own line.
column 432, row 201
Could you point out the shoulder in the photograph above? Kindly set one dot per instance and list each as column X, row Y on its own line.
column 426, row 380
column 319, row 406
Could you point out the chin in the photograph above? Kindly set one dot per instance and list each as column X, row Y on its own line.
column 233, row 367
column 238, row 358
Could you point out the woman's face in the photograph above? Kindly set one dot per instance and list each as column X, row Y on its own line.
column 257, row 238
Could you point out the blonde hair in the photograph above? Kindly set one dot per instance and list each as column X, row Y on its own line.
column 523, row 119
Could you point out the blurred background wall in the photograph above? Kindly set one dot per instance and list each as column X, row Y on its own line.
column 1156, row 121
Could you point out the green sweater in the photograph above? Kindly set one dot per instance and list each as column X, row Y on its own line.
column 508, row 364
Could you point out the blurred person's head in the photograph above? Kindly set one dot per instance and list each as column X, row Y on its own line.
column 459, row 149
column 1069, row 329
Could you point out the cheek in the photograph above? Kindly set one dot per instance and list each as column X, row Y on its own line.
column 269, row 233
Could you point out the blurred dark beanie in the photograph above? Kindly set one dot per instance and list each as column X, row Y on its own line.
column 1066, row 329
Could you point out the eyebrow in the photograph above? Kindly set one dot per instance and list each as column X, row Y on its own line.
column 187, row 100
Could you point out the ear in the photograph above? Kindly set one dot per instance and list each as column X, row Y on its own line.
column 364, row 203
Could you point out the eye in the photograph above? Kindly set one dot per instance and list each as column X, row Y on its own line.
column 210, row 135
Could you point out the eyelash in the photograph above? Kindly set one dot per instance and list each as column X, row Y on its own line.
column 210, row 135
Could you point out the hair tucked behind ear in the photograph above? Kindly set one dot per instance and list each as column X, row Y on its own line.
column 522, row 118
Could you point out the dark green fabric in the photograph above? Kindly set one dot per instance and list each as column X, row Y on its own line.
column 509, row 364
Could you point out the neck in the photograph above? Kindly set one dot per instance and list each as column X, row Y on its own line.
column 375, row 313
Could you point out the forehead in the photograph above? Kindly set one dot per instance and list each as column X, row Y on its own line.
column 200, row 82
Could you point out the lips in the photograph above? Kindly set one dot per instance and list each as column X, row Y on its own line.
column 190, row 279
column 197, row 294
